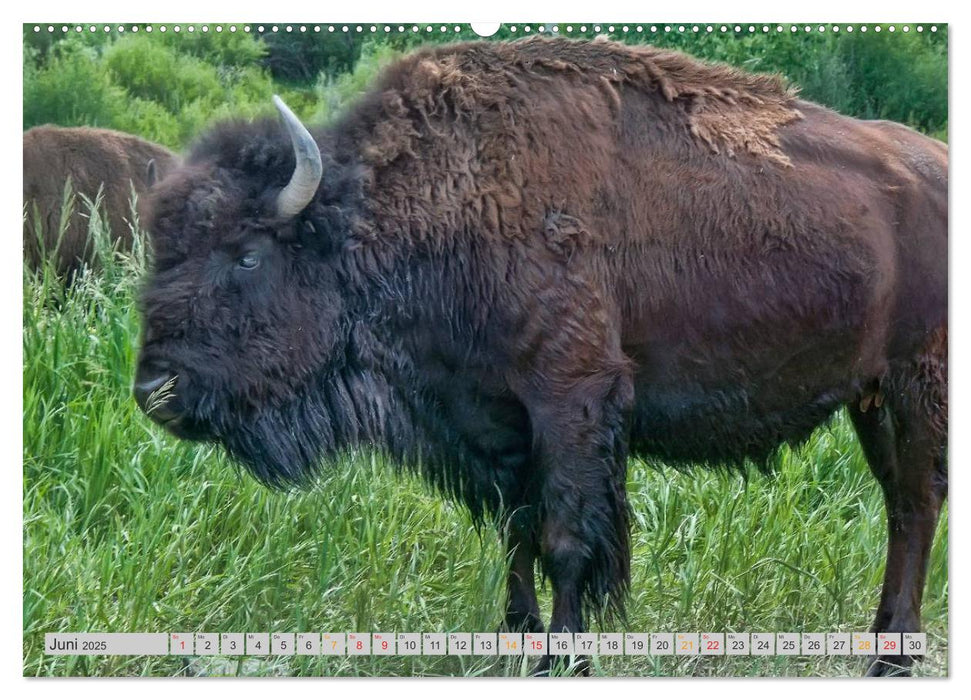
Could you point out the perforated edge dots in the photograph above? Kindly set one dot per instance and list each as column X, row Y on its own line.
column 487, row 30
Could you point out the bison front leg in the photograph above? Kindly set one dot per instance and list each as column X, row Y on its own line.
column 522, row 608
column 904, row 441
column 580, row 442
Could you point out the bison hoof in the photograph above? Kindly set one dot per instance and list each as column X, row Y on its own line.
column 522, row 623
column 889, row 666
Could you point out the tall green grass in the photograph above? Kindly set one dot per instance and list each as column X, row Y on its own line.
column 127, row 529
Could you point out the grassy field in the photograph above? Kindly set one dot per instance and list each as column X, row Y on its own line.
column 127, row 529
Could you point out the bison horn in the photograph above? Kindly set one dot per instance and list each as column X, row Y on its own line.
column 308, row 171
column 151, row 173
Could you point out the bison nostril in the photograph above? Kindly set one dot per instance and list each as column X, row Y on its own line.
column 145, row 388
column 154, row 393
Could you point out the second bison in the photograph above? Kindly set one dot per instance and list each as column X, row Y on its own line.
column 91, row 158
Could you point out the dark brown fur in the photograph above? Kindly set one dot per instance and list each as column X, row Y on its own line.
column 92, row 159
column 529, row 260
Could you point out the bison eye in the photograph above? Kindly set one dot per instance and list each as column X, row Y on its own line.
column 249, row 261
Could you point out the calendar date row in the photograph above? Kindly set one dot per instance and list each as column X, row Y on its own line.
column 489, row 644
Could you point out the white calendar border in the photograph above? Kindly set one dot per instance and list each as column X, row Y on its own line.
column 507, row 10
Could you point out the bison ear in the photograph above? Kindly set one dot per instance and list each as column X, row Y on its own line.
column 151, row 173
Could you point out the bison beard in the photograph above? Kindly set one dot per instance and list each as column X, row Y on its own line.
column 523, row 261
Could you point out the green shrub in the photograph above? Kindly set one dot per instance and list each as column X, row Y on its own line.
column 43, row 44
column 223, row 48
column 900, row 77
column 151, row 121
column 151, row 70
column 301, row 57
column 245, row 85
column 72, row 89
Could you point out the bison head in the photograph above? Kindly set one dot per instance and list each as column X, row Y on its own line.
column 243, row 309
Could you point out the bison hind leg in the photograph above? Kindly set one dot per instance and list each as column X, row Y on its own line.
column 904, row 438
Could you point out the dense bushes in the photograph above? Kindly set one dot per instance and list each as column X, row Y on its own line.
column 304, row 57
column 166, row 87
column 162, row 87
column 152, row 71
column 53, row 93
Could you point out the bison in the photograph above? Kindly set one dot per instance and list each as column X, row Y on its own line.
column 93, row 159
column 512, row 266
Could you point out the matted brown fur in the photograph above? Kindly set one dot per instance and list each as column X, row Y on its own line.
column 92, row 159
column 474, row 99
column 728, row 109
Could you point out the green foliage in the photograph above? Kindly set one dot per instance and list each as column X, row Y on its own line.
column 300, row 57
column 72, row 89
column 174, row 95
column 162, row 87
column 151, row 121
column 903, row 78
column 224, row 48
column 410, row 40
column 43, row 44
column 150, row 70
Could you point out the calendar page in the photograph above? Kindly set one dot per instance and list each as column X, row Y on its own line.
column 422, row 349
